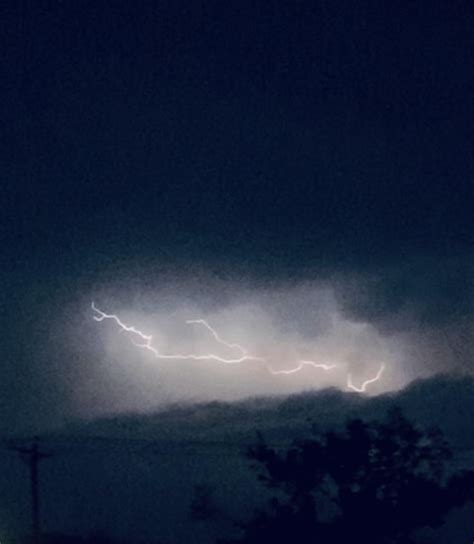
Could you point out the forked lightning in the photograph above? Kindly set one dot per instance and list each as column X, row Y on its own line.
column 363, row 386
column 146, row 342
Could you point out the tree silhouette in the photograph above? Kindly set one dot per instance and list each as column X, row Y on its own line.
column 371, row 483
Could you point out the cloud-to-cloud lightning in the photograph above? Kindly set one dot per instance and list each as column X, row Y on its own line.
column 243, row 352
column 363, row 386
column 145, row 341
column 300, row 366
column 148, row 342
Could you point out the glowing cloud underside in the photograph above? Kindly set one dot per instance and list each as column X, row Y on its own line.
column 145, row 342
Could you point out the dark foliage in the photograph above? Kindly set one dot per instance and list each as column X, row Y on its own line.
column 371, row 483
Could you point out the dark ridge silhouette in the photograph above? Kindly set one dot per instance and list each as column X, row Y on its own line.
column 135, row 475
column 442, row 400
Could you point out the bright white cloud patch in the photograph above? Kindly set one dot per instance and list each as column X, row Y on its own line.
column 181, row 345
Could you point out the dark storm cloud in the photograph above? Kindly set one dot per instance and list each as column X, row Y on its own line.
column 427, row 290
column 263, row 142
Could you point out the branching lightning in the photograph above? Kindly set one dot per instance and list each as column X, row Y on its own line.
column 238, row 347
column 148, row 342
column 363, row 387
column 300, row 366
column 145, row 341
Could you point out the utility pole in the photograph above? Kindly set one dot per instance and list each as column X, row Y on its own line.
column 33, row 456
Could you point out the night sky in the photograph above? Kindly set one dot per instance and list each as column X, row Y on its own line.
column 208, row 153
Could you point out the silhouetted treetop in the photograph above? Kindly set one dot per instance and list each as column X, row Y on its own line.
column 372, row 482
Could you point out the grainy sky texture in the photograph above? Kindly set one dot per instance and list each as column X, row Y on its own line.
column 212, row 155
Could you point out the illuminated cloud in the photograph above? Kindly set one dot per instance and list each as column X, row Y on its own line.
column 280, row 341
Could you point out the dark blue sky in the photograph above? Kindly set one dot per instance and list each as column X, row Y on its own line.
column 272, row 139
column 296, row 129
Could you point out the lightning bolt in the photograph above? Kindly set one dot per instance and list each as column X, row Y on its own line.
column 218, row 339
column 300, row 367
column 363, row 387
column 147, row 341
